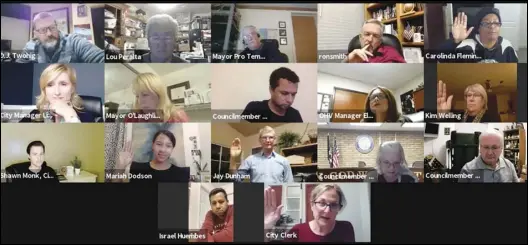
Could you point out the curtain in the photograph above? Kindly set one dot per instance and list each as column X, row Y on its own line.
column 115, row 137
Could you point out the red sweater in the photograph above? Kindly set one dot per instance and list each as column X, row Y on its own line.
column 386, row 54
column 343, row 232
column 218, row 229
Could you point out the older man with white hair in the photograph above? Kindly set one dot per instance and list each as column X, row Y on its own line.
column 161, row 33
column 489, row 166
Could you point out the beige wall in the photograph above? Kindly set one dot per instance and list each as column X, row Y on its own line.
column 62, row 141
column 412, row 142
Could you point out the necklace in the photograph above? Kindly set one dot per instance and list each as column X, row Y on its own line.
column 478, row 117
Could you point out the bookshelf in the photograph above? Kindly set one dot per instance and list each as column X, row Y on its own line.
column 226, row 25
column 397, row 16
column 515, row 148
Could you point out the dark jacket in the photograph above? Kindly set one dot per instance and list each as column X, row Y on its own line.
column 35, row 117
column 20, row 173
column 268, row 53
column 173, row 174
column 502, row 52
column 72, row 49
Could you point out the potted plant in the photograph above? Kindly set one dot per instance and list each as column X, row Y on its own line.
column 312, row 135
column 77, row 163
column 288, row 139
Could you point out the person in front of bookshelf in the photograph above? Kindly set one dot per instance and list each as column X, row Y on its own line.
column 372, row 48
column 257, row 51
column 162, row 32
column 152, row 104
column 267, row 166
column 326, row 201
column 391, row 166
column 482, row 40
column 283, row 86
column 489, row 166
column 50, row 45
column 159, row 169
column 381, row 107
column 218, row 223
column 58, row 101
column 36, row 170
column 476, row 110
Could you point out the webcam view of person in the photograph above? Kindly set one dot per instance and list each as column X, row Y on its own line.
column 476, row 99
column 483, row 39
column 161, row 31
column 489, row 166
column 381, row 107
column 218, row 223
column 283, row 85
column 36, row 170
column 160, row 168
column 391, row 166
column 326, row 201
column 266, row 166
column 373, row 50
column 265, row 52
column 58, row 100
column 152, row 98
column 52, row 46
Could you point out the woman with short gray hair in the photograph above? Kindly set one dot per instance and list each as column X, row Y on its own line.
column 326, row 201
column 391, row 166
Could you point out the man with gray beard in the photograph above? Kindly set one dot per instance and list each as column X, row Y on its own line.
column 50, row 45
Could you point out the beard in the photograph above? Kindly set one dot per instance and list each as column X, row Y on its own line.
column 50, row 45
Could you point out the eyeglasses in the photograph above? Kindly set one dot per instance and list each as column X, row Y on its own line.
column 44, row 30
column 380, row 96
column 368, row 34
column 159, row 39
column 324, row 205
column 473, row 96
column 493, row 147
column 490, row 24
column 267, row 137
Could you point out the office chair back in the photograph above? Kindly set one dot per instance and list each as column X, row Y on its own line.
column 387, row 39
column 93, row 104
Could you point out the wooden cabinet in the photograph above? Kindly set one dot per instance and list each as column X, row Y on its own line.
column 419, row 99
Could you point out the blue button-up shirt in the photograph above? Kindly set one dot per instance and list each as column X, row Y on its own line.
column 272, row 169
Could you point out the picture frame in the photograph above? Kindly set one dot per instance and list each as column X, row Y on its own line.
column 282, row 32
column 283, row 41
column 82, row 10
column 176, row 92
column 62, row 17
column 282, row 24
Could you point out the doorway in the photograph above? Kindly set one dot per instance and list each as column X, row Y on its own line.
column 305, row 35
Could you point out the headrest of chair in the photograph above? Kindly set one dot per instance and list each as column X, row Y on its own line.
column 93, row 105
column 387, row 39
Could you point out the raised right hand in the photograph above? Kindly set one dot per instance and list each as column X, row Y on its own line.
column 125, row 156
column 359, row 55
column 271, row 211
column 236, row 148
column 459, row 30
column 443, row 103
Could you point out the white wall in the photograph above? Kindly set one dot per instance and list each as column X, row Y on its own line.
column 511, row 16
column 199, row 75
column 17, row 31
column 203, row 133
column 235, row 85
column 522, row 27
column 338, row 24
column 269, row 19
column 357, row 210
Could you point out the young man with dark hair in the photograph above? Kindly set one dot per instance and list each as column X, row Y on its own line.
column 218, row 223
column 36, row 170
column 283, row 89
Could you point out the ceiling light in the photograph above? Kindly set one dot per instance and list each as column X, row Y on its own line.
column 413, row 125
column 366, row 124
column 321, row 123
column 166, row 6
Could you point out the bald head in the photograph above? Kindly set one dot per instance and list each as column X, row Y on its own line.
column 251, row 37
column 491, row 145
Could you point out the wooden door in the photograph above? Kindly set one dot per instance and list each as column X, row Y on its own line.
column 348, row 102
column 419, row 100
column 305, row 34
column 308, row 208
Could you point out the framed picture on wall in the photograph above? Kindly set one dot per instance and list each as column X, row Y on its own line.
column 62, row 18
column 176, row 92
column 407, row 102
column 282, row 24
column 283, row 41
column 282, row 32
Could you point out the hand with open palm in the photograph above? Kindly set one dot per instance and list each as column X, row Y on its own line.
column 443, row 103
column 125, row 156
column 459, row 30
column 272, row 212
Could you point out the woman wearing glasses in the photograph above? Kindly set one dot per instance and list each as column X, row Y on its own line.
column 381, row 107
column 326, row 201
column 482, row 42
column 476, row 99
column 391, row 166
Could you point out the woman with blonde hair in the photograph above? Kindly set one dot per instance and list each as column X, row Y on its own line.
column 58, row 100
column 476, row 99
column 326, row 202
column 152, row 103
column 391, row 166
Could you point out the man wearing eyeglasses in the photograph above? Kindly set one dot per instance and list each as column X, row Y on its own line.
column 257, row 51
column 267, row 166
column 489, row 166
column 50, row 45
column 372, row 48
column 480, row 43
